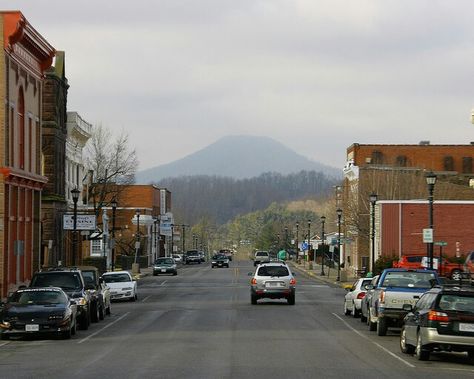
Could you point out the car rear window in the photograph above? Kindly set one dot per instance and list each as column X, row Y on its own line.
column 38, row 297
column 116, row 278
column 273, row 271
column 415, row 259
column 64, row 280
column 460, row 303
column 408, row 279
column 261, row 254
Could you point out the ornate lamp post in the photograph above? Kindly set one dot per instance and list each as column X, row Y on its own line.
column 309, row 240
column 296, row 242
column 339, row 215
column 323, row 220
column 373, row 200
column 431, row 181
column 114, row 209
column 75, row 196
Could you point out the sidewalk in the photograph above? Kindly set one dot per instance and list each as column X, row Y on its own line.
column 330, row 274
column 146, row 271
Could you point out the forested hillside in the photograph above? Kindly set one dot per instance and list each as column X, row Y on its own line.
column 222, row 199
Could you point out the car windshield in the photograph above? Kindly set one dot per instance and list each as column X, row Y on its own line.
column 38, row 297
column 116, row 278
column 164, row 261
column 408, row 279
column 461, row 303
column 365, row 282
column 89, row 277
column 261, row 254
column 273, row 271
column 219, row 256
column 64, row 280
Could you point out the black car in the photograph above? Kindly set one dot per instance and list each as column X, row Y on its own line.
column 165, row 266
column 192, row 256
column 220, row 260
column 72, row 283
column 100, row 300
column 227, row 253
column 38, row 311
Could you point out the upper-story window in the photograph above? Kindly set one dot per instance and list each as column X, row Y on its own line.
column 401, row 161
column 467, row 165
column 21, row 128
column 377, row 157
column 448, row 163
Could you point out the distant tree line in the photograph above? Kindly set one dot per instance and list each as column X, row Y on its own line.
column 221, row 199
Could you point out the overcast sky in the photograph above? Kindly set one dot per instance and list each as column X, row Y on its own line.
column 314, row 75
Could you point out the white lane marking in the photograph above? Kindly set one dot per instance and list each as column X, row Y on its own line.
column 105, row 327
column 375, row 343
column 162, row 284
column 145, row 299
column 4, row 343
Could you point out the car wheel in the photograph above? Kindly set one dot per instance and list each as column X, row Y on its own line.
column 362, row 317
column 404, row 347
column 347, row 312
column 253, row 299
column 456, row 275
column 355, row 312
column 155, row 274
column 107, row 310
column 4, row 336
column 372, row 325
column 101, row 312
column 175, row 273
column 66, row 335
column 421, row 353
column 291, row 299
column 382, row 326
column 470, row 356
column 84, row 323
column 74, row 329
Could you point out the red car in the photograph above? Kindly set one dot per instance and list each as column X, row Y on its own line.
column 448, row 269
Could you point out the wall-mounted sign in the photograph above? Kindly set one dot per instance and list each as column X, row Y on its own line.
column 84, row 222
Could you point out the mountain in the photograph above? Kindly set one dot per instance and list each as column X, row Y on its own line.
column 237, row 157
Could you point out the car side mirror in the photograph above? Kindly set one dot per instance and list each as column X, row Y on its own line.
column 250, row 274
column 407, row 307
column 72, row 302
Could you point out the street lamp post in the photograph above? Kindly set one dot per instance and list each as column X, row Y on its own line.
column 373, row 200
column 323, row 220
column 431, row 181
column 137, row 242
column 339, row 215
column 309, row 240
column 296, row 242
column 172, row 240
column 286, row 238
column 114, row 209
column 156, row 236
column 75, row 196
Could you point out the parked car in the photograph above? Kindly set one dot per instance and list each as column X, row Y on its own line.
column 364, row 304
column 228, row 253
column 121, row 284
column 71, row 281
column 219, row 260
column 469, row 265
column 38, row 311
column 354, row 296
column 100, row 293
column 445, row 268
column 192, row 256
column 261, row 257
column 202, row 256
column 442, row 320
column 164, row 265
column 273, row 281
column 396, row 287
column 178, row 258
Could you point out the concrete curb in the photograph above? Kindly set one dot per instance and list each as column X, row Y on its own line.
column 321, row 278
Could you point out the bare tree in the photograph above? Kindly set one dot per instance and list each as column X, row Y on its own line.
column 112, row 162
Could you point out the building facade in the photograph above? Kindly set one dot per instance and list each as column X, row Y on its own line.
column 24, row 58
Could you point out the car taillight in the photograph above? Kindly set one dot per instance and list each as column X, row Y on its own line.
column 292, row 281
column 438, row 316
column 382, row 296
column 253, row 281
column 361, row 295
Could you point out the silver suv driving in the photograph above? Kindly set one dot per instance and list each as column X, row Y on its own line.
column 274, row 281
column 261, row 257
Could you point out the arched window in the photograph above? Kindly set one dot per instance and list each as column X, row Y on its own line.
column 21, row 128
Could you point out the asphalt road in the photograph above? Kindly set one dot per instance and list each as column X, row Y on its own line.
column 200, row 324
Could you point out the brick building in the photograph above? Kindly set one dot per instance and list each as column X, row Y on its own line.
column 24, row 58
column 399, row 226
column 54, row 133
column 397, row 172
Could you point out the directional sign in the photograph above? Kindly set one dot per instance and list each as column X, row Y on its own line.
column 441, row 243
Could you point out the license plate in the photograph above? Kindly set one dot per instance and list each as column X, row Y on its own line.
column 32, row 328
column 273, row 284
column 163, row 270
column 466, row 327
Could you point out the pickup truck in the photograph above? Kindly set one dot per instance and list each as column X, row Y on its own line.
column 394, row 288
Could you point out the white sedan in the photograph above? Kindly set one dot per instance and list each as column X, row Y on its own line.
column 121, row 284
column 354, row 296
